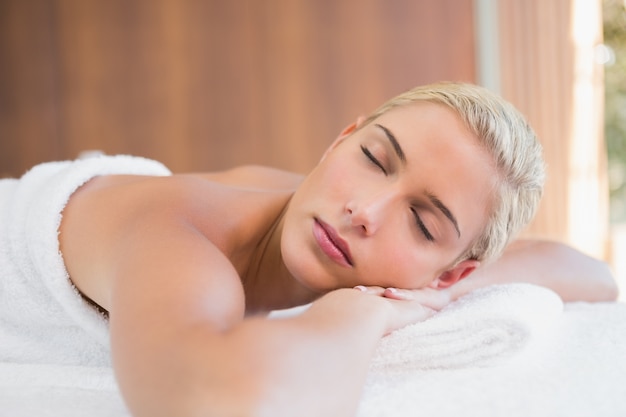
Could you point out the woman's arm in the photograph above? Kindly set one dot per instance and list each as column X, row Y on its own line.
column 182, row 347
column 570, row 273
column 180, row 341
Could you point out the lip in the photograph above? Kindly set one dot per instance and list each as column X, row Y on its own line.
column 332, row 244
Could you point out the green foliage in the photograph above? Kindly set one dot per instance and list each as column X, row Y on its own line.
column 614, row 12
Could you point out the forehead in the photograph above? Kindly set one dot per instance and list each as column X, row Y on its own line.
column 430, row 130
column 425, row 117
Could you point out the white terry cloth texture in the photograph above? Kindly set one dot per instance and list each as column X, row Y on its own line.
column 50, row 390
column 485, row 326
column 43, row 318
column 577, row 368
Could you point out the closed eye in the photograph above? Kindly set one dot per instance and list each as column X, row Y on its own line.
column 422, row 226
column 373, row 159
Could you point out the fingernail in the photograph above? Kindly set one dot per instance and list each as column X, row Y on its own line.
column 360, row 288
column 399, row 295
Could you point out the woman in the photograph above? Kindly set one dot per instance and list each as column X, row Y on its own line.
column 401, row 209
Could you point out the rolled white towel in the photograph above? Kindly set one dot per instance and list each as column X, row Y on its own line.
column 479, row 329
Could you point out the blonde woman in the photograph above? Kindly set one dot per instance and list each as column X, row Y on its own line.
column 407, row 210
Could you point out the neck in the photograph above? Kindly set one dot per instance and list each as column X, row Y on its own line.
column 268, row 284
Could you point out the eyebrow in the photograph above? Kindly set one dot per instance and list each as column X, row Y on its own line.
column 433, row 199
column 394, row 142
column 445, row 210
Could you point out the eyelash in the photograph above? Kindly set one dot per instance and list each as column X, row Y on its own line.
column 373, row 159
column 418, row 219
column 422, row 226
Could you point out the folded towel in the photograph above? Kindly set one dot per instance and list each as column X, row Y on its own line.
column 479, row 329
column 574, row 366
column 43, row 319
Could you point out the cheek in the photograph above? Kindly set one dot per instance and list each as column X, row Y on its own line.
column 339, row 170
column 408, row 269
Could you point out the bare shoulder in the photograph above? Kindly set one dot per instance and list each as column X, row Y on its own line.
column 137, row 243
column 257, row 176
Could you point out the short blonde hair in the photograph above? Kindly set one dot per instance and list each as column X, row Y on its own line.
column 513, row 145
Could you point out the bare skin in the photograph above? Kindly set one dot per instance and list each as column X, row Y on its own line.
column 186, row 266
column 194, row 325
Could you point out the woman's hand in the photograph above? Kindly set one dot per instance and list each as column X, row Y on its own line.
column 409, row 306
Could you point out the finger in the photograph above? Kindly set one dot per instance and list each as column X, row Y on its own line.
column 436, row 299
column 373, row 290
column 398, row 294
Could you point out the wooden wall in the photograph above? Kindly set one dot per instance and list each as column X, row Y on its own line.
column 207, row 84
column 204, row 85
column 548, row 71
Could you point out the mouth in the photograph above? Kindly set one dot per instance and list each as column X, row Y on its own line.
column 332, row 244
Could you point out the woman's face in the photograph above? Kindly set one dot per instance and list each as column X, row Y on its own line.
column 392, row 203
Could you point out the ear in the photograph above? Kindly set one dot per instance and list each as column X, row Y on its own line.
column 455, row 274
column 347, row 131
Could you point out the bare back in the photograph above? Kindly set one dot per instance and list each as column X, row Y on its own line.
column 184, row 224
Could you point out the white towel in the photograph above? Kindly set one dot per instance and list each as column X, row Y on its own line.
column 28, row 390
column 485, row 326
column 481, row 328
column 581, row 373
column 43, row 319
column 574, row 367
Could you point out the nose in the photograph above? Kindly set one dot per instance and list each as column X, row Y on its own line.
column 369, row 214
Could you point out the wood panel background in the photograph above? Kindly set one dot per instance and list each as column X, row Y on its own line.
column 548, row 71
column 207, row 84
column 203, row 85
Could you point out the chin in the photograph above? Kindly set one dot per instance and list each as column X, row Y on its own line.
column 309, row 279
column 310, row 274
